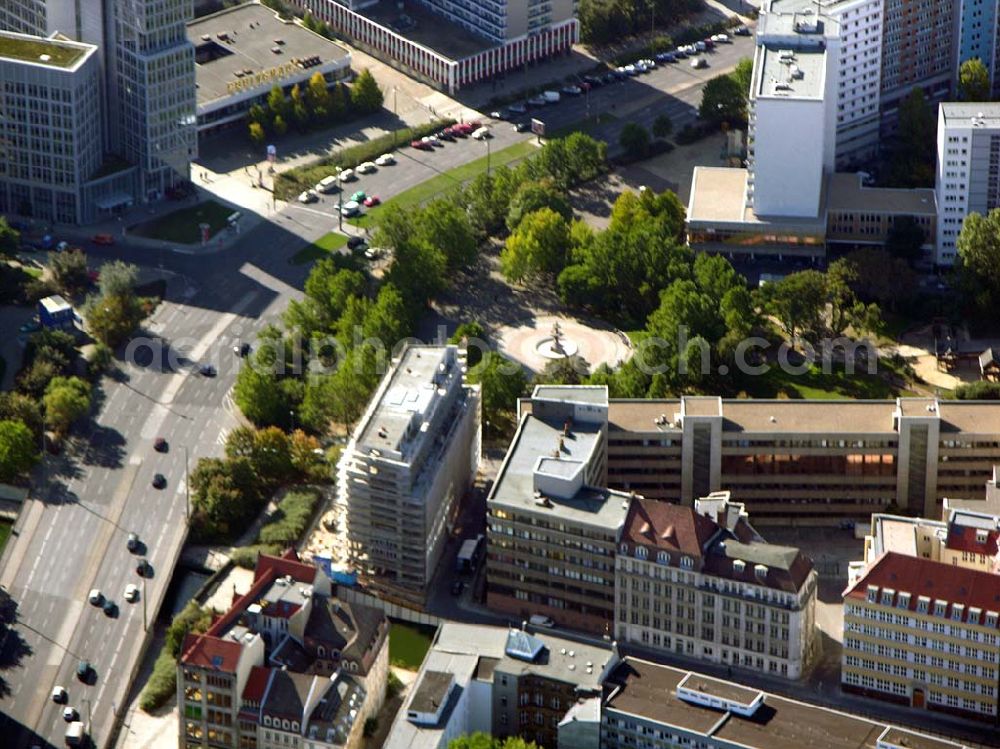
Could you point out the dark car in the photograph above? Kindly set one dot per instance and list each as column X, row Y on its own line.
column 142, row 568
column 160, row 445
column 518, row 108
column 521, row 127
column 159, row 481
column 593, row 80
column 207, row 370
column 83, row 670
column 447, row 135
column 110, row 608
column 421, row 145
column 457, row 587
column 132, row 543
column 242, row 350
column 355, row 242
column 741, row 31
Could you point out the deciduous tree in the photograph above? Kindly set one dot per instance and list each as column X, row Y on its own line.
column 973, row 81
column 66, row 401
column 366, row 96
column 538, row 246
column 18, row 450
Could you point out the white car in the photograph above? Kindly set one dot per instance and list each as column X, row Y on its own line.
column 347, row 175
column 95, row 597
column 699, row 62
column 350, row 208
column 69, row 714
column 374, row 253
column 538, row 620
column 366, row 168
column 131, row 592
column 59, row 695
column 482, row 133
column 309, row 196
column 386, row 159
column 721, row 38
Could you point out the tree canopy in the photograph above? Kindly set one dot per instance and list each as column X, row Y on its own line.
column 366, row 96
column 973, row 81
column 537, row 246
column 18, row 450
column 66, row 401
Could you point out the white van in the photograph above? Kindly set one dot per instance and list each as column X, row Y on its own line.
column 482, row 133
column 75, row 733
column 327, row 184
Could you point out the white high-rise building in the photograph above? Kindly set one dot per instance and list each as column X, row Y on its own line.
column 968, row 169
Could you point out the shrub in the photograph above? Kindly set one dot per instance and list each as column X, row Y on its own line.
column 393, row 685
column 289, row 521
column 162, row 684
column 246, row 556
column 978, row 391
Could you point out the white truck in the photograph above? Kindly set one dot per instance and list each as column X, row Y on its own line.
column 75, row 733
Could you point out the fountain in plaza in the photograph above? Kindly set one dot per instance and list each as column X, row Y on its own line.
column 555, row 345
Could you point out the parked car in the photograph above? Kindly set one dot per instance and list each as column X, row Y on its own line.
column 159, row 481
column 354, row 243
column 722, row 39
column 366, row 167
column 308, row 196
column 666, row 57
column 497, row 115
column 32, row 326
column 386, row 159
column 433, row 140
column 521, row 127
column 518, row 108
column 447, row 135
column 371, row 201
column 538, row 101
column 350, row 208
column 709, row 42
column 593, row 80
column 680, row 53
column 133, row 542
column 327, row 185
column 131, row 593
column 538, row 620
column 358, row 196
column 103, row 239
column 741, row 31
column 612, row 77
column 482, row 133
column 572, row 90
column 420, row 145
column 700, row 46
column 347, row 175
column 699, row 62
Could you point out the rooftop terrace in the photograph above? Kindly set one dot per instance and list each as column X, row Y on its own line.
column 49, row 52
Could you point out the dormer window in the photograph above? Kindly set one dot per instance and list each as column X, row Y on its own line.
column 956, row 612
column 940, row 607
column 887, row 594
column 872, row 593
column 687, row 562
column 923, row 604
column 903, row 600
column 991, row 619
column 739, row 566
column 662, row 557
column 623, row 549
column 974, row 614
column 981, row 536
column 640, row 552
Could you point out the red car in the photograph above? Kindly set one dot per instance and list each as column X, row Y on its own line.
column 463, row 128
column 421, row 145
column 105, row 239
column 372, row 200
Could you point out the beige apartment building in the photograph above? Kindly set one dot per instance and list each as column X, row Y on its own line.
column 701, row 582
column 811, row 460
column 552, row 524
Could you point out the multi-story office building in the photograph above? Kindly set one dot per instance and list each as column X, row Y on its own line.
column 924, row 633
column 453, row 44
column 700, row 582
column 977, row 35
column 552, row 524
column 659, row 707
column 151, row 87
column 919, row 48
column 50, row 126
column 146, row 104
column 409, row 462
column 968, row 169
column 288, row 665
column 504, row 682
column 809, row 460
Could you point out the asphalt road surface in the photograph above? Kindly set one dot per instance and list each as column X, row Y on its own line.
column 72, row 534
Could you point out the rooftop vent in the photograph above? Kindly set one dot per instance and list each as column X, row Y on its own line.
column 44, row 58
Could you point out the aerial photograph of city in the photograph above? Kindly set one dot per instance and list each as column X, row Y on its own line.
column 499, row 374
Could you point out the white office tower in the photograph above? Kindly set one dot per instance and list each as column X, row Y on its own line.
column 857, row 25
column 792, row 120
column 410, row 460
column 968, row 169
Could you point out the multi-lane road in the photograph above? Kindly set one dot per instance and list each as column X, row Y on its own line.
column 71, row 536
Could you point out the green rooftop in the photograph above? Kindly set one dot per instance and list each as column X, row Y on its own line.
column 32, row 49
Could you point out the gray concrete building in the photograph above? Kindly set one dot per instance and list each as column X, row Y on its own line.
column 410, row 460
column 51, row 151
column 552, row 524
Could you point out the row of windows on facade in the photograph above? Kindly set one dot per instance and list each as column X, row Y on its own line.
column 987, row 638
column 919, row 674
column 941, row 698
column 940, row 608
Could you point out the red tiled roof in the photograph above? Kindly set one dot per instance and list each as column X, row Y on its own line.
column 934, row 580
column 211, row 652
column 256, row 684
column 963, row 538
column 287, row 564
column 662, row 525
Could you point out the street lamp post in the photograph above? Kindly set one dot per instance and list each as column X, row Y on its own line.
column 340, row 201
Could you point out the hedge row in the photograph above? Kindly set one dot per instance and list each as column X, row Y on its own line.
column 291, row 183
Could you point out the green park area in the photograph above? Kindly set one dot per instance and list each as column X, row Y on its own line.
column 319, row 249
column 409, row 643
column 183, row 226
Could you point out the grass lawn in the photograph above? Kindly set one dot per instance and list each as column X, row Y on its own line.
column 447, row 181
column 320, row 248
column 182, row 225
column 409, row 643
column 5, row 527
column 31, row 50
column 815, row 384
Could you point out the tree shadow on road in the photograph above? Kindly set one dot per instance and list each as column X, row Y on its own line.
column 13, row 648
column 105, row 448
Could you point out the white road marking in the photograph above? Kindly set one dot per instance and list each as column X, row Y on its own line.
column 62, row 638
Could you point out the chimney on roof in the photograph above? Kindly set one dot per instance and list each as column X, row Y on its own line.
column 567, row 425
column 561, row 444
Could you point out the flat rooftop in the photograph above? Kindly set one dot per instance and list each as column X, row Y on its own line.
column 537, row 438
column 597, row 395
column 719, row 198
column 649, row 690
column 427, row 28
column 53, row 53
column 901, row 737
column 846, row 193
column 797, row 6
column 250, row 33
column 791, row 73
column 960, row 114
column 431, row 691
